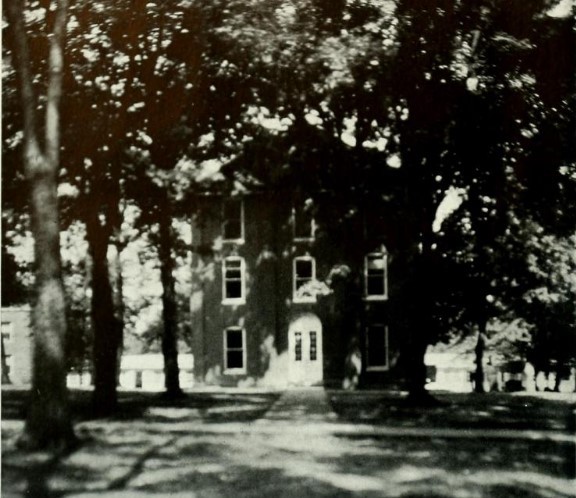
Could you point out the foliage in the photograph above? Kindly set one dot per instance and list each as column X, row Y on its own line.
column 411, row 100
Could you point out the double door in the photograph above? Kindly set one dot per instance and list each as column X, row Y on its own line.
column 305, row 352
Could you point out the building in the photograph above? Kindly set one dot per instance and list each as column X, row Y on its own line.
column 137, row 371
column 140, row 372
column 16, row 346
column 294, row 289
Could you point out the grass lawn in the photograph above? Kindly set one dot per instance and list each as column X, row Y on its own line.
column 470, row 410
column 222, row 444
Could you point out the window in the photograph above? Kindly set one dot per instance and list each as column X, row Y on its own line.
column 376, row 347
column 233, row 280
column 304, row 273
column 138, row 379
column 303, row 220
column 375, row 276
column 235, row 350
column 298, row 346
column 313, row 346
column 233, row 220
column 7, row 368
column 7, row 332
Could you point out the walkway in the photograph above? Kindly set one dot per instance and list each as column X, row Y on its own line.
column 301, row 406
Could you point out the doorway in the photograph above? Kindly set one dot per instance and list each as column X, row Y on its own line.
column 305, row 351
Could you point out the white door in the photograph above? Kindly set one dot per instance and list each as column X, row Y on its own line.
column 305, row 351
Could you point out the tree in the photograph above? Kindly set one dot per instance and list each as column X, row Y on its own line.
column 473, row 85
column 48, row 423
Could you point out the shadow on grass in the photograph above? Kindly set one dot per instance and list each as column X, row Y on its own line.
column 175, row 464
column 487, row 411
column 208, row 407
column 468, row 455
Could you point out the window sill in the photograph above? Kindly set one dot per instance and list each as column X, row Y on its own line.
column 234, row 302
column 377, row 369
column 234, row 241
column 375, row 298
column 235, row 371
column 304, row 300
column 304, row 239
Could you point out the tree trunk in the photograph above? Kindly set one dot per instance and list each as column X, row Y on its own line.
column 48, row 424
column 558, row 379
column 417, row 377
column 422, row 323
column 105, row 325
column 169, row 309
column 118, row 296
column 479, row 351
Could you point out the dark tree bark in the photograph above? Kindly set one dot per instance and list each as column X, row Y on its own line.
column 118, row 297
column 420, row 154
column 558, row 380
column 105, row 324
column 48, row 424
column 479, row 351
column 169, row 307
column 425, row 40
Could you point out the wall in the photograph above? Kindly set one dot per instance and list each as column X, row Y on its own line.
column 269, row 249
column 17, row 349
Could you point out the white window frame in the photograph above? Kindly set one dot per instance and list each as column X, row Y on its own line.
column 234, row 371
column 377, row 368
column 242, row 298
column 9, row 358
column 295, row 287
column 241, row 239
column 312, row 226
column 382, row 254
column 8, row 329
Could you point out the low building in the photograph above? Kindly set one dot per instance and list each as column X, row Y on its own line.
column 146, row 371
column 16, row 346
column 140, row 372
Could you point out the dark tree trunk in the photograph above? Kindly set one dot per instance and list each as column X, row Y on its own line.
column 118, row 296
column 558, row 379
column 417, row 377
column 169, row 309
column 105, row 325
column 48, row 424
column 422, row 291
column 479, row 351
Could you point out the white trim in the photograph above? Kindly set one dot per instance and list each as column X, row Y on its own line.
column 10, row 363
column 9, row 331
column 242, row 298
column 313, row 227
column 383, row 254
column 305, row 372
column 295, row 297
column 241, row 239
column 234, row 371
column 377, row 368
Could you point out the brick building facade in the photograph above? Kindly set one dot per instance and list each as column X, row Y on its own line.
column 287, row 289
